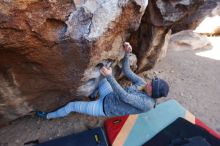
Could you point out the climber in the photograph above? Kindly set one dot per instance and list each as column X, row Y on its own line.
column 113, row 99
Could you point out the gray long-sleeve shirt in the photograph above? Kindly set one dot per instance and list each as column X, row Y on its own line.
column 129, row 100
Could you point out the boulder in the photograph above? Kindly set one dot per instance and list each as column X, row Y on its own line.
column 205, row 20
column 151, row 39
column 51, row 51
column 189, row 40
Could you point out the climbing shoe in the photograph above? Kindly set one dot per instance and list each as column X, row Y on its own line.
column 41, row 114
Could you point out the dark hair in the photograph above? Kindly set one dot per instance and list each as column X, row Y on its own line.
column 160, row 88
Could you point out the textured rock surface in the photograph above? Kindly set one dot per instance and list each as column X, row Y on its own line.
column 50, row 49
column 152, row 37
column 210, row 10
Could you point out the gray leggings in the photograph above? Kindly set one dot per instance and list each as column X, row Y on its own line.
column 94, row 108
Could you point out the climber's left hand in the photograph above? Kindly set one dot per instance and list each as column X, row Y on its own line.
column 106, row 71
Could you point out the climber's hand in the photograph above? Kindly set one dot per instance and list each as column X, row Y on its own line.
column 106, row 71
column 127, row 47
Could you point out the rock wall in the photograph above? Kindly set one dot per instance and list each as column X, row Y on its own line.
column 207, row 15
column 151, row 39
column 50, row 51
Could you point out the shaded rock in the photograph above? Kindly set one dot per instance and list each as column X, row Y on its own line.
column 188, row 40
column 151, row 39
column 206, row 17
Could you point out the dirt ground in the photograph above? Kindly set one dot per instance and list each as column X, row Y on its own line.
column 193, row 82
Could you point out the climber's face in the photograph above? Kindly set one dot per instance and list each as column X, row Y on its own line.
column 148, row 88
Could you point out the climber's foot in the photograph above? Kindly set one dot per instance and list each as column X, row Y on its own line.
column 41, row 114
